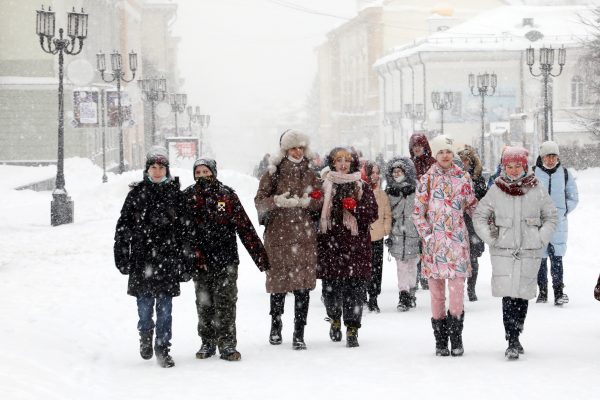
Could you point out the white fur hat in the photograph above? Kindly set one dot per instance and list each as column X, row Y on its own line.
column 441, row 142
column 289, row 139
column 548, row 147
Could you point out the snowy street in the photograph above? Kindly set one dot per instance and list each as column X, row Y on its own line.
column 68, row 328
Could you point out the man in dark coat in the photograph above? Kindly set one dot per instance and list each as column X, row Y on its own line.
column 420, row 154
column 150, row 247
column 216, row 215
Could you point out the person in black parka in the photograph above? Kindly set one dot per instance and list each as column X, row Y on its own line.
column 150, row 246
column 216, row 218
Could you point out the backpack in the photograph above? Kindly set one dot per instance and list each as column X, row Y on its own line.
column 566, row 175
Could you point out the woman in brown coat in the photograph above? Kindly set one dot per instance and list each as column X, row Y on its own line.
column 288, row 201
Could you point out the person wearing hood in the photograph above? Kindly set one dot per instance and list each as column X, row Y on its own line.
column 422, row 158
column 516, row 218
column 403, row 242
column 288, row 201
column 151, row 247
column 216, row 217
column 472, row 165
column 562, row 188
column 344, row 242
column 443, row 196
column 379, row 229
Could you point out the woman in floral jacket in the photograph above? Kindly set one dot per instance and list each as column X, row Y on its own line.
column 443, row 195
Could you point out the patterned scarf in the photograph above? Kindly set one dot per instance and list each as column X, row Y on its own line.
column 518, row 187
column 348, row 219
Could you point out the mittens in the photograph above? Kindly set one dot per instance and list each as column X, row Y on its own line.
column 349, row 203
column 304, row 201
column 285, row 201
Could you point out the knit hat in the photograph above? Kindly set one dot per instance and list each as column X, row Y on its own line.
column 157, row 155
column 208, row 163
column 515, row 154
column 441, row 142
column 548, row 147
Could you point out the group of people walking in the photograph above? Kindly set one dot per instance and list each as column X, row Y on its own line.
column 435, row 211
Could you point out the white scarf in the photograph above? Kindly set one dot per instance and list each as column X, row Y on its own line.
column 348, row 219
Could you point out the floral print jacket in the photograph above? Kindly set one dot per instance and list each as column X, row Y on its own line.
column 441, row 199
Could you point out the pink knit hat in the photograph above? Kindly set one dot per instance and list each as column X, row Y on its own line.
column 515, row 154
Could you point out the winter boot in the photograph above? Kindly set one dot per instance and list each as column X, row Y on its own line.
column 455, row 328
column 275, row 334
column 335, row 331
column 413, row 297
column 230, row 354
column 440, row 332
column 424, row 283
column 372, row 304
column 560, row 298
column 146, row 345
column 207, row 350
column 298, row 338
column 471, row 286
column 543, row 294
column 512, row 352
column 163, row 358
column 352, row 336
column 403, row 304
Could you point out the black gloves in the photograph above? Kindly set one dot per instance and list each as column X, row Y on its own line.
column 389, row 242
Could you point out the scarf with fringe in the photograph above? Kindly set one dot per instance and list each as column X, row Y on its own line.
column 348, row 219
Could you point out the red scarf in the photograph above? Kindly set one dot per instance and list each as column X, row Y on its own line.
column 518, row 187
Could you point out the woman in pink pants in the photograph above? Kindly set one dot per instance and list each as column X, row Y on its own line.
column 442, row 197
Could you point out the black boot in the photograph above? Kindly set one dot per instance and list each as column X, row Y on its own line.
column 560, row 298
column 335, row 330
column 275, row 334
column 352, row 336
column 207, row 350
column 424, row 283
column 413, row 297
column 440, row 332
column 372, row 304
column 403, row 301
column 146, row 345
column 455, row 328
column 163, row 358
column 543, row 293
column 471, row 286
column 298, row 338
column 230, row 354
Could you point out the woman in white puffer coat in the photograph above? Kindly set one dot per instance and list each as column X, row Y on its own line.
column 516, row 218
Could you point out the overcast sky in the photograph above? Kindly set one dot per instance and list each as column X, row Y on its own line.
column 242, row 58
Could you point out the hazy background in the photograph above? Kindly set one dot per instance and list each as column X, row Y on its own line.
column 245, row 62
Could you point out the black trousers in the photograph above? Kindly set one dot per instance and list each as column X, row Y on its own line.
column 514, row 311
column 344, row 297
column 301, row 300
column 556, row 270
column 374, row 285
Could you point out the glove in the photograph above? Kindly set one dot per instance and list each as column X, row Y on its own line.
column 349, row 203
column 316, row 194
column 124, row 269
column 263, row 264
column 389, row 242
column 285, row 201
column 304, row 201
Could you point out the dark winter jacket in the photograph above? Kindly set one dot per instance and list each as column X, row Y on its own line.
column 150, row 243
column 340, row 254
column 216, row 216
column 425, row 160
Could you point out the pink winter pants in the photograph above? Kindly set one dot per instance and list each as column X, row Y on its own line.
column 456, row 291
column 407, row 273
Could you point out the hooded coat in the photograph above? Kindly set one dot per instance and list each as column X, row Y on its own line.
column 441, row 200
column 290, row 233
column 404, row 236
column 150, row 242
column 425, row 160
column 565, row 199
column 517, row 228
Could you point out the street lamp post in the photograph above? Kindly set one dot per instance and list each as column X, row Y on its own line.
column 393, row 119
column 117, row 75
column 178, row 102
column 546, row 64
column 61, row 207
column 442, row 102
column 154, row 90
column 414, row 112
column 102, row 117
column 485, row 86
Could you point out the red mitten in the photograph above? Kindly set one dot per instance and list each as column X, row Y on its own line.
column 316, row 194
column 349, row 203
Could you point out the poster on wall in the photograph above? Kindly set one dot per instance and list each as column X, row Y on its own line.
column 183, row 151
column 85, row 108
column 112, row 109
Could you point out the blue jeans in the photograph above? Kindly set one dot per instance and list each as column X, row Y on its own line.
column 556, row 269
column 164, row 306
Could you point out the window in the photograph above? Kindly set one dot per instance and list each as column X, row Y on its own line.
column 577, row 92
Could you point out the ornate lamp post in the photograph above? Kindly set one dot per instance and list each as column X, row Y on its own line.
column 545, row 67
column 154, row 90
column 117, row 75
column 393, row 119
column 442, row 102
column 414, row 112
column 102, row 116
column 61, row 207
column 486, row 86
column 178, row 102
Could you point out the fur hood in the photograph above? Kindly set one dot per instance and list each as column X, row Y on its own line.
column 407, row 166
column 469, row 153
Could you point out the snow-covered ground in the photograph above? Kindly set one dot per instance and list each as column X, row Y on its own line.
column 68, row 329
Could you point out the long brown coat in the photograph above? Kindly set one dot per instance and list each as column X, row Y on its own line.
column 290, row 233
